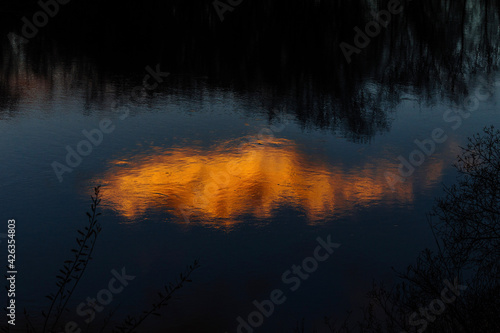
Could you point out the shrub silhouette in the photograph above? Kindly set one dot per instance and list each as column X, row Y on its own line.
column 466, row 226
column 72, row 273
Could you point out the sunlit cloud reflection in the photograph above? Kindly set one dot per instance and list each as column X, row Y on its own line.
column 221, row 185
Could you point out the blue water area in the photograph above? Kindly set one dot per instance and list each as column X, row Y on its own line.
column 248, row 176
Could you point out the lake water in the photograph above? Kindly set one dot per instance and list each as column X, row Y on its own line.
column 241, row 169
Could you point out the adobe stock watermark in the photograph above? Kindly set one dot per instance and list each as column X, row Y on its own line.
column 103, row 297
column 372, row 29
column 223, row 177
column 427, row 147
column 222, row 7
column 293, row 278
column 437, row 306
column 95, row 136
column 40, row 19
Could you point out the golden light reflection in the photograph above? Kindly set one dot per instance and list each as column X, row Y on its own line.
column 221, row 185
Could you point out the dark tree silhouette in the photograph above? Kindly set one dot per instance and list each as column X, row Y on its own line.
column 456, row 288
column 469, row 215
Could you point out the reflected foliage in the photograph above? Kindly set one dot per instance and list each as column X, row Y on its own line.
column 286, row 55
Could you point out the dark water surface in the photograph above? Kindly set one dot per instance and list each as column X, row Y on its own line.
column 261, row 139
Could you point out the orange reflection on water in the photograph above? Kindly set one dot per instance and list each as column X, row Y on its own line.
column 221, row 185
